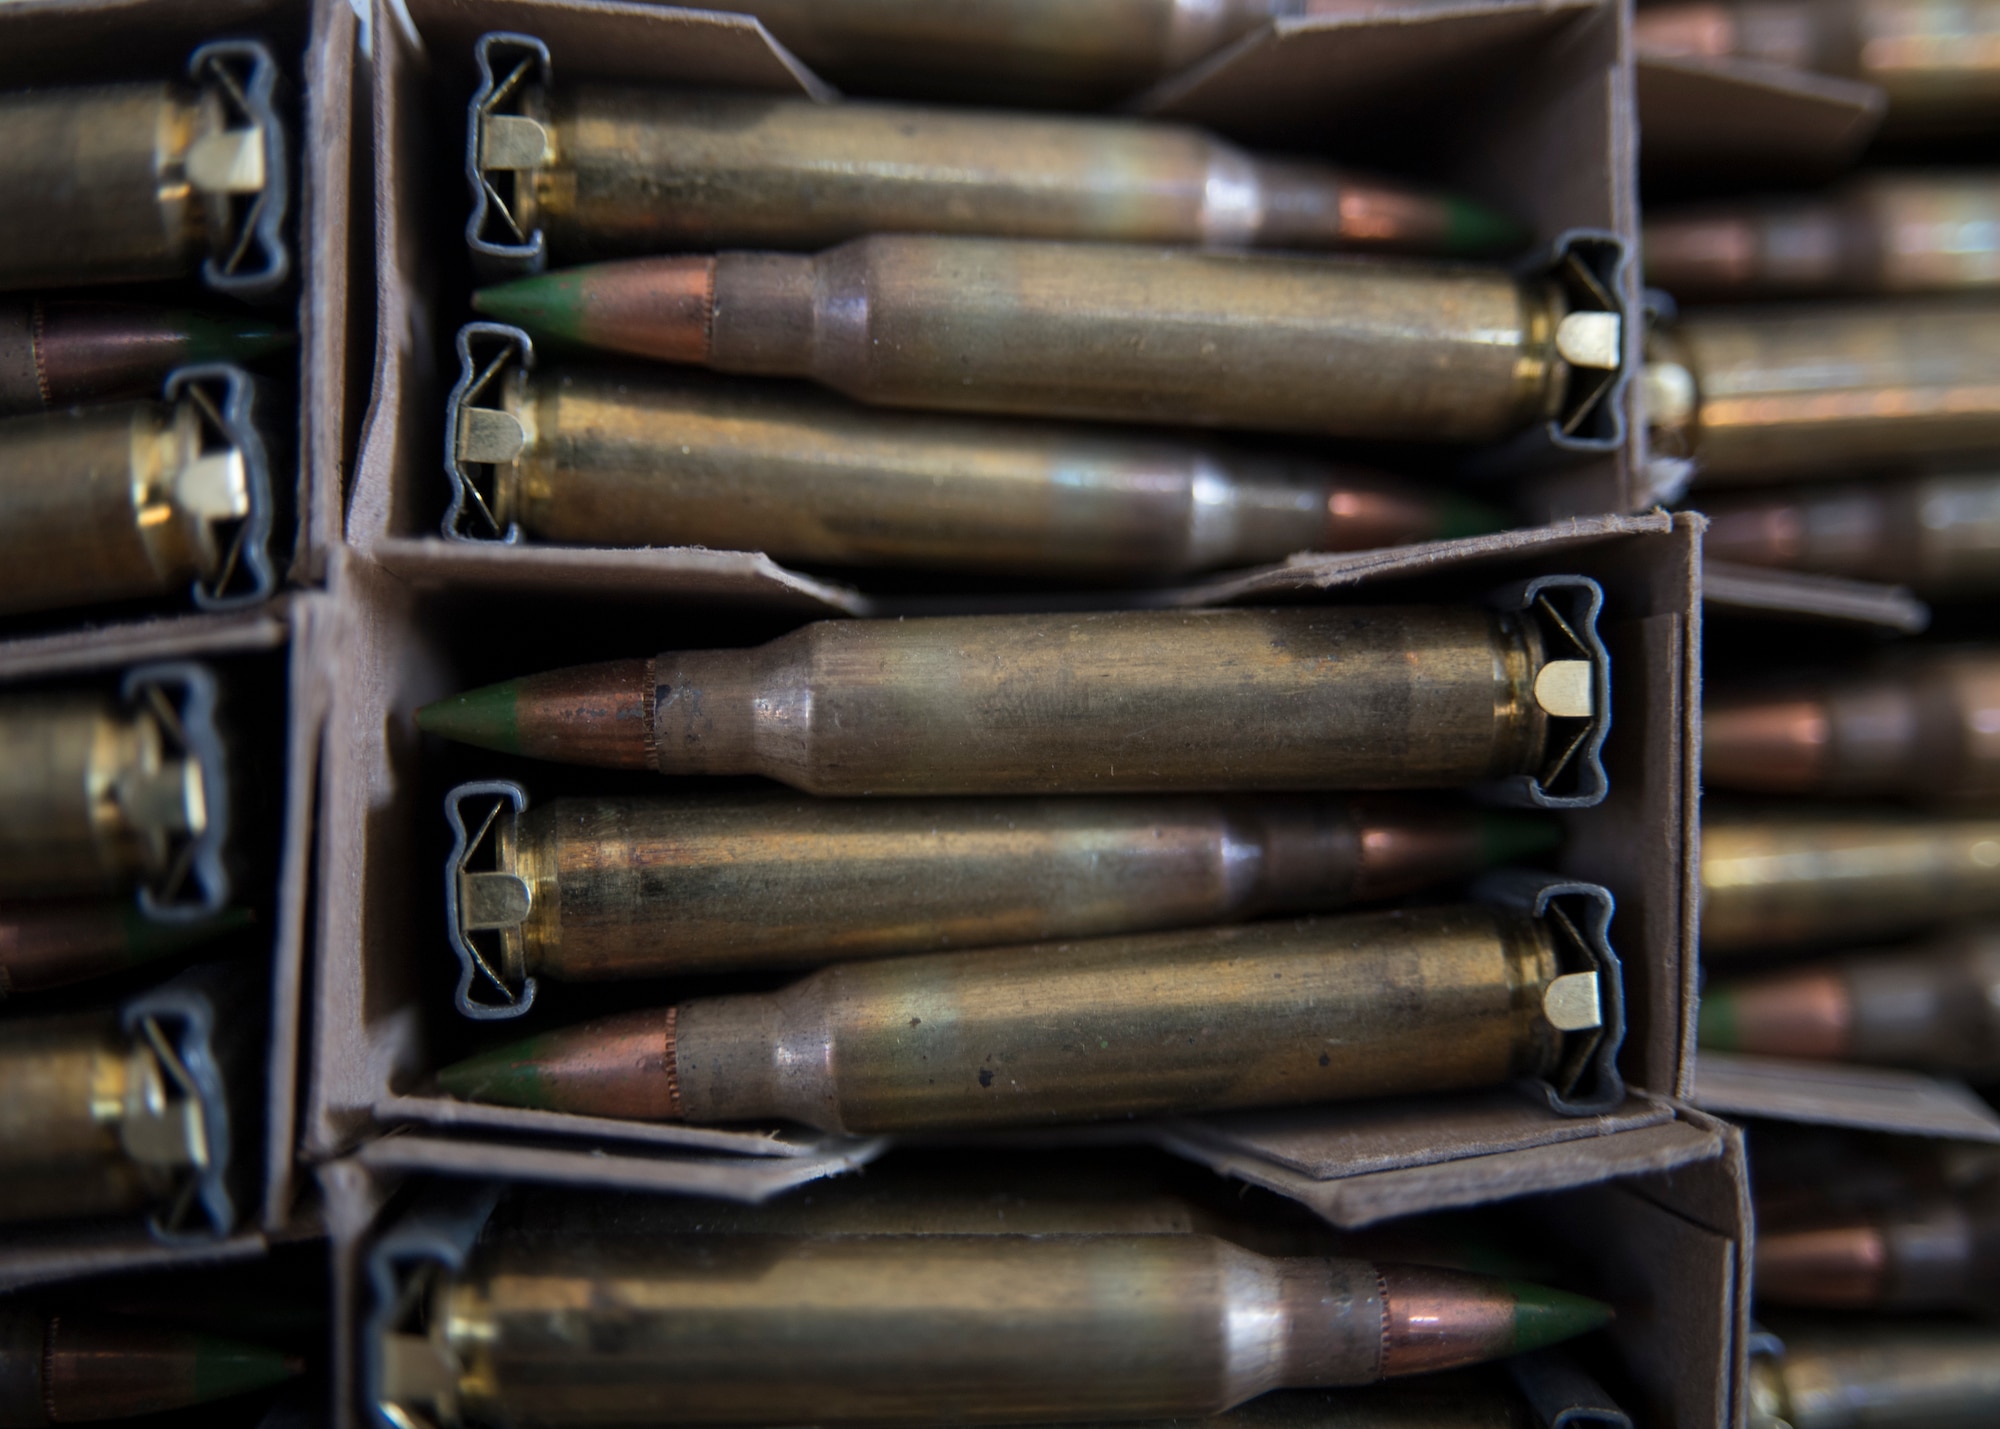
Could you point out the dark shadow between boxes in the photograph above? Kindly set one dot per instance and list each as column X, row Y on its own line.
column 384, row 1018
column 1537, row 125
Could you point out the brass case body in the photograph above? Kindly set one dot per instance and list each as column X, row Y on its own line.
column 639, row 887
column 91, row 801
column 1268, row 1014
column 65, row 1087
column 1303, row 698
column 748, row 1329
column 630, row 172
column 102, row 193
column 1938, row 534
column 1777, row 881
column 88, row 511
column 626, row 458
column 1881, row 1375
column 1784, row 392
column 1399, row 350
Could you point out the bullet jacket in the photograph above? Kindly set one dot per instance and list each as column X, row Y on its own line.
column 1395, row 350
column 57, row 353
column 1140, row 701
column 915, row 1329
column 601, row 171
column 1939, row 534
column 1904, row 1375
column 1890, row 232
column 68, row 1368
column 140, row 499
column 1927, row 727
column 625, row 456
column 646, row 887
column 52, row 942
column 1935, row 1005
column 1268, row 1014
column 1774, row 394
column 1937, row 1256
column 1768, row 881
column 135, row 182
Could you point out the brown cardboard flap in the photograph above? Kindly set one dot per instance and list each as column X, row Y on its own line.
column 1743, row 114
column 729, row 1178
column 445, row 1112
column 168, row 637
column 1837, row 1094
column 36, row 1258
column 1731, row 589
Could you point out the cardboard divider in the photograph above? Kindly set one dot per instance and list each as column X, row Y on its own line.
column 1742, row 118
column 1843, row 1094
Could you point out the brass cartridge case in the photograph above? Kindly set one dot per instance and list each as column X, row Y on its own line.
column 1938, row 534
column 1913, row 232
column 1774, row 394
column 1926, row 727
column 1355, row 347
column 645, row 887
column 1772, row 881
column 1879, row 1374
column 624, row 456
column 1937, row 1255
column 135, row 182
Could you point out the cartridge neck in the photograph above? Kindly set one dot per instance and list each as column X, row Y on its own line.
column 730, row 712
column 763, row 321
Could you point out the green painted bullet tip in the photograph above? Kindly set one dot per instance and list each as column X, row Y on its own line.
column 482, row 717
column 1476, row 229
column 1546, row 1316
column 223, row 1368
column 1461, row 516
column 505, row 1076
column 547, row 305
column 213, row 337
column 1715, row 1025
column 148, row 938
column 1515, row 838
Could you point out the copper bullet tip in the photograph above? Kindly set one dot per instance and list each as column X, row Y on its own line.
column 622, row 1066
column 1441, row 1319
column 662, row 308
column 600, row 715
column 1775, row 746
column 1804, row 1014
column 1830, row 1267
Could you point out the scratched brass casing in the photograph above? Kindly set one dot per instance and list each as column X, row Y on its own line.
column 630, row 456
column 1776, row 394
column 91, row 1123
column 1366, row 348
column 1268, row 1014
column 1879, row 1374
column 137, row 182
column 1839, row 877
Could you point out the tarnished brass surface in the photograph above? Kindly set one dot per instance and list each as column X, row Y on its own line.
column 112, row 503
column 1938, row 534
column 631, row 457
column 92, row 797
column 1269, row 1014
column 1325, row 698
column 1784, row 392
column 1935, row 1007
column 1769, row 881
column 1879, row 1374
column 642, row 887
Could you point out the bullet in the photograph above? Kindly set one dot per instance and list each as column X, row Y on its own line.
column 632, row 456
column 1935, row 1005
column 1268, row 1014
column 57, row 353
column 915, row 1329
column 1878, row 1374
column 1938, row 534
column 1141, row 701
column 604, row 888
column 1913, row 232
column 1769, row 881
column 1772, row 394
column 1924, row 727
column 139, row 499
column 606, row 171
column 69, row 1369
column 136, row 182
column 1355, row 347
column 1939, row 63
column 48, row 943
column 102, row 794
column 1938, row 1256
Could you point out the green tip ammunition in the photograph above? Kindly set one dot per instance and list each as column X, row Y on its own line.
column 1546, row 1316
column 56, row 354
column 1937, row 1255
column 74, row 1369
column 48, row 943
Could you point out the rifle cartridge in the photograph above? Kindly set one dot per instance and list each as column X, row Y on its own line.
column 1926, row 727
column 921, row 1329
column 626, row 456
column 1937, row 60
column 105, row 795
column 1384, row 697
column 589, row 889
column 135, row 182
column 1938, row 534
column 1773, row 394
column 1940, row 1255
column 1914, row 232
column 1879, row 1374
column 1390, row 349
column 55, row 354
column 603, row 171
column 1775, row 880
column 1935, row 1005
column 139, row 499
column 48, row 942
column 70, row 1369
column 1267, row 1014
